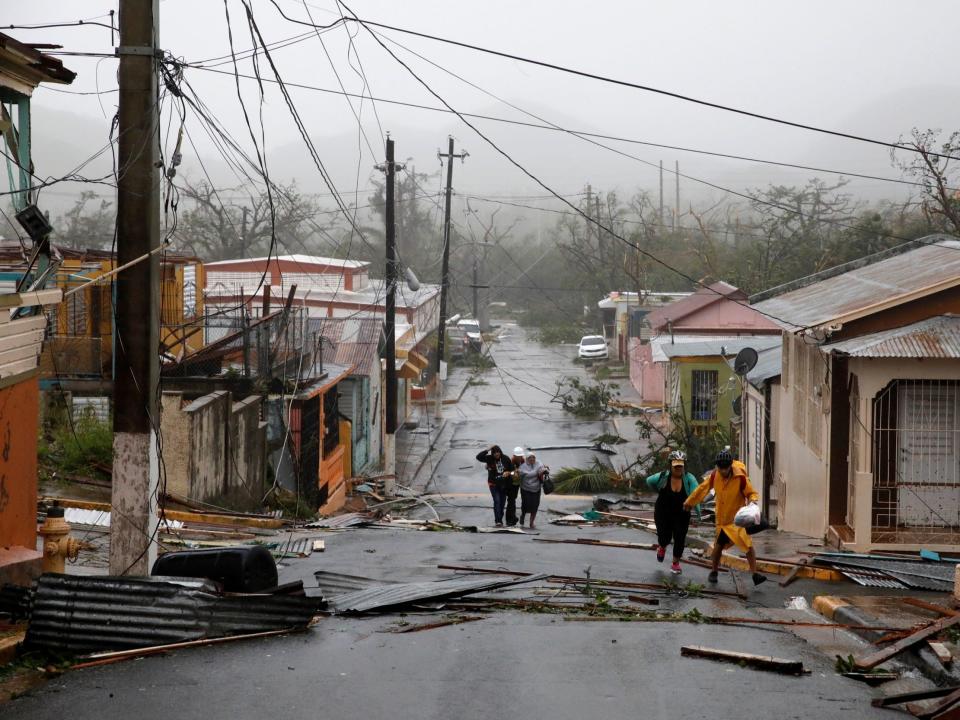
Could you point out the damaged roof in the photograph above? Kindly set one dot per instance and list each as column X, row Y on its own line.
column 936, row 337
column 724, row 348
column 913, row 270
column 769, row 365
column 23, row 66
column 700, row 299
column 352, row 341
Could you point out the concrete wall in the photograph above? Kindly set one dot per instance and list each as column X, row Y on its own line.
column 646, row 376
column 247, row 449
column 209, row 419
column 213, row 449
column 802, row 473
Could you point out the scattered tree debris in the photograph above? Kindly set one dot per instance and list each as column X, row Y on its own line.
column 874, row 659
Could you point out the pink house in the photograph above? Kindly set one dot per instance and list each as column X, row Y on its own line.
column 717, row 311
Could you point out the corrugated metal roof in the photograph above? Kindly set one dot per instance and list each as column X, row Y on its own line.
column 386, row 597
column 77, row 614
column 333, row 584
column 700, row 299
column 836, row 292
column 936, row 337
column 728, row 348
column 769, row 365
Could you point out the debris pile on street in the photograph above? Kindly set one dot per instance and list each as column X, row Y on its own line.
column 893, row 571
column 74, row 614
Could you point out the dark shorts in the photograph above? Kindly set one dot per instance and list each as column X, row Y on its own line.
column 723, row 540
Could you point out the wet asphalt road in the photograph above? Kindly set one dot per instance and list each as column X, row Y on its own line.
column 507, row 665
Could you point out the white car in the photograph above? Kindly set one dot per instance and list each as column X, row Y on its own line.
column 472, row 330
column 592, row 347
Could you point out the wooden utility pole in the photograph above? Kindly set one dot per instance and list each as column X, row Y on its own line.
column 390, row 399
column 133, row 526
column 445, row 268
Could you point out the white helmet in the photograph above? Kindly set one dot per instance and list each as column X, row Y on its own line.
column 518, row 451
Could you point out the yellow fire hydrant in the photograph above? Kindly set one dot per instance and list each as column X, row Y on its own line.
column 58, row 546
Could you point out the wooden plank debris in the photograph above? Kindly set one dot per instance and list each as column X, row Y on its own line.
column 913, row 696
column 759, row 662
column 792, row 575
column 107, row 658
column 932, row 607
column 874, row 659
column 941, row 651
column 438, row 624
column 942, row 710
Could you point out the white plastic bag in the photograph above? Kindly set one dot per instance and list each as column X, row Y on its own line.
column 747, row 516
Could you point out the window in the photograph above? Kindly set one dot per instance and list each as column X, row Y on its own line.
column 816, row 370
column 703, row 399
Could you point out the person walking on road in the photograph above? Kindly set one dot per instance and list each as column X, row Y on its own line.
column 733, row 491
column 672, row 518
column 499, row 468
column 531, row 473
column 513, row 489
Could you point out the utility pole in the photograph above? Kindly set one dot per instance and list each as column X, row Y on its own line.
column 476, row 288
column 661, row 195
column 600, row 247
column 390, row 398
column 445, row 271
column 133, row 498
column 676, row 214
column 589, row 210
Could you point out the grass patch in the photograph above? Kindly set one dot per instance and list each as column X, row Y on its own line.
column 86, row 449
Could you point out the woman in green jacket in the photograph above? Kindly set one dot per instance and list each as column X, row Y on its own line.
column 672, row 520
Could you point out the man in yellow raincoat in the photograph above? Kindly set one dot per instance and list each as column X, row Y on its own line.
column 732, row 490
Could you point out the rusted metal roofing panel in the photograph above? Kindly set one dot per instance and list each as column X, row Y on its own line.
column 387, row 597
column 77, row 614
column 936, row 337
column 822, row 297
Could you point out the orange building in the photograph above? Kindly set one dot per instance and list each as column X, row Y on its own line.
column 22, row 323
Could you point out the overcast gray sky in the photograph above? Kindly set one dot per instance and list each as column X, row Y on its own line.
column 867, row 67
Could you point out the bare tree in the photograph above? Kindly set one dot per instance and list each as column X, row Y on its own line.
column 220, row 224
column 932, row 168
column 88, row 224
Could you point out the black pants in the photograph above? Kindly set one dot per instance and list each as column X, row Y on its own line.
column 511, row 492
column 672, row 525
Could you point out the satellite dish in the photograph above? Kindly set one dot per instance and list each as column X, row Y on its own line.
column 737, row 405
column 745, row 361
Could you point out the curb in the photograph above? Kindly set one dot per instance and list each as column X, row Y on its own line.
column 771, row 567
column 921, row 657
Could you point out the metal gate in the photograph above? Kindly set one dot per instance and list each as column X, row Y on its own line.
column 916, row 454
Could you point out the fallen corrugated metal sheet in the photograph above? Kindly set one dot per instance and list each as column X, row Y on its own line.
column 340, row 522
column 936, row 337
column 387, row 597
column 78, row 614
column 333, row 584
column 916, row 575
column 873, row 579
column 101, row 518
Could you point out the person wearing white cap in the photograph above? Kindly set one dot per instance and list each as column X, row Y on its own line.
column 531, row 474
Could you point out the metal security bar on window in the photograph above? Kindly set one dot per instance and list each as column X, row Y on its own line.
column 703, row 399
column 916, row 462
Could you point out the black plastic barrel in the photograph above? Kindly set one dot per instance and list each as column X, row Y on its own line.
column 239, row 569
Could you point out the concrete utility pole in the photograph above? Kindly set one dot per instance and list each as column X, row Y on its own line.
column 676, row 213
column 133, row 527
column 600, row 247
column 445, row 270
column 661, row 195
column 390, row 399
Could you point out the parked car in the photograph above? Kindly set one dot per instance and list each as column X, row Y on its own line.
column 592, row 347
column 472, row 330
column 456, row 342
